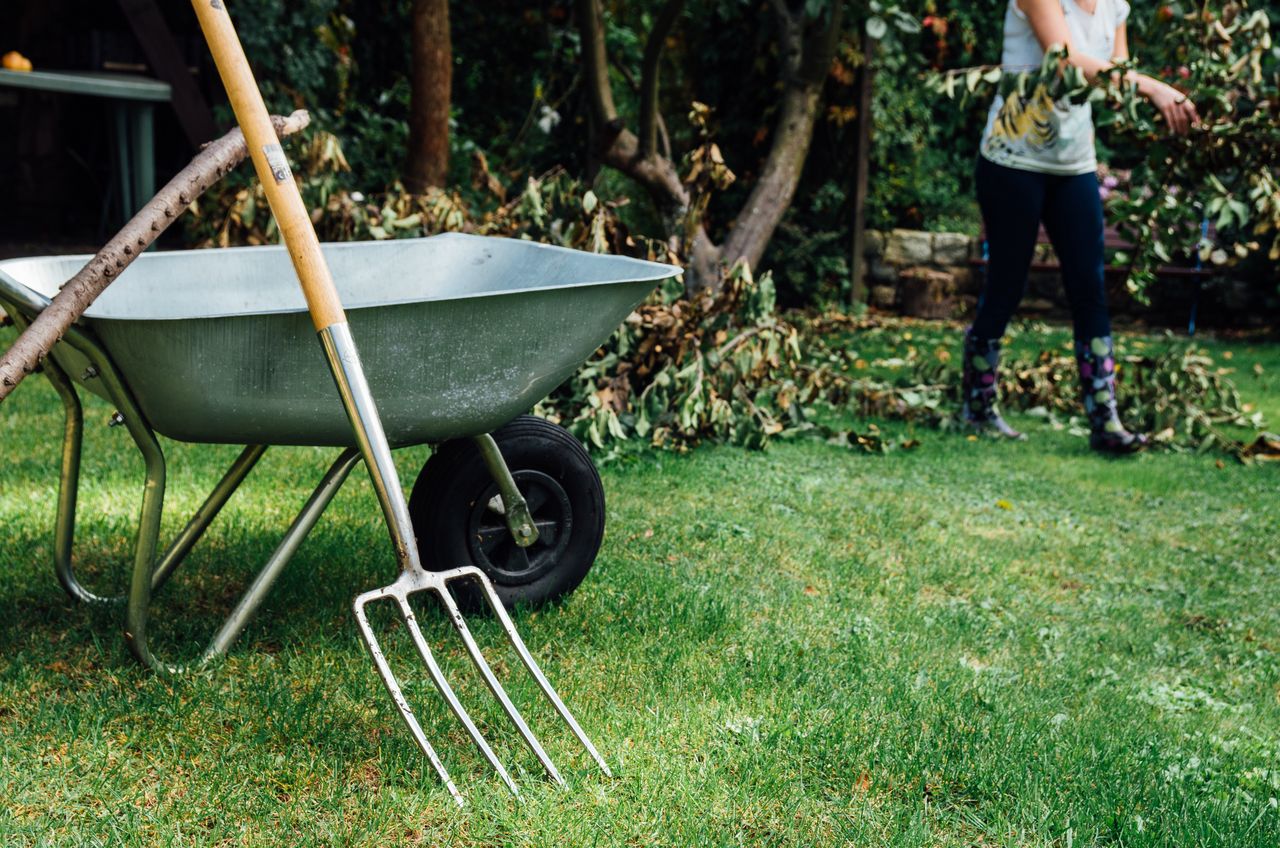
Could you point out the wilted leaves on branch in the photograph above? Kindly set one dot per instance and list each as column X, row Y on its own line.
column 733, row 371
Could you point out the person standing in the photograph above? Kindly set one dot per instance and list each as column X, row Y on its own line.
column 1037, row 164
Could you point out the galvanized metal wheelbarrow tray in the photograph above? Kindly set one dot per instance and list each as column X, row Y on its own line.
column 460, row 334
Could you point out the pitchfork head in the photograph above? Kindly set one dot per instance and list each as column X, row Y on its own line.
column 414, row 580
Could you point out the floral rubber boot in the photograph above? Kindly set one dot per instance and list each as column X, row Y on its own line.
column 1096, row 358
column 980, row 410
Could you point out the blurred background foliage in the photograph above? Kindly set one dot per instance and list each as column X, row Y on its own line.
column 518, row 112
column 518, row 108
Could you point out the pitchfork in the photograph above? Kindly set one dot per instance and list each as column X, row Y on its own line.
column 344, row 361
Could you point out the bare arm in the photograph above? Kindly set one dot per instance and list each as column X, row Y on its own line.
column 1050, row 26
column 1121, row 51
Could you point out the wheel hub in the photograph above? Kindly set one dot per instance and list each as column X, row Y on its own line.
column 494, row 549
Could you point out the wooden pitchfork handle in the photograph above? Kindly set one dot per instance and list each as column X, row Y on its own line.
column 317, row 284
column 269, row 161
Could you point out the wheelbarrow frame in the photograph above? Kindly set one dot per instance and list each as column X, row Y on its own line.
column 150, row 572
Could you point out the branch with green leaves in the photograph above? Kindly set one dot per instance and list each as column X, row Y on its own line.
column 1062, row 81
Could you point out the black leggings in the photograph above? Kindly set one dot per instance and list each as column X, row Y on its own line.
column 1013, row 204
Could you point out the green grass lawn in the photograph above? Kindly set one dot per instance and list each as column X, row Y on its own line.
column 967, row 644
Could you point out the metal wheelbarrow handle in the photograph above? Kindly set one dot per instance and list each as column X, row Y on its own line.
column 344, row 361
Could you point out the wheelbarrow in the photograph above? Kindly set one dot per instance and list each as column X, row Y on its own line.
column 460, row 334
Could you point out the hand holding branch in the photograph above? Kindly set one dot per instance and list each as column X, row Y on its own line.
column 1177, row 109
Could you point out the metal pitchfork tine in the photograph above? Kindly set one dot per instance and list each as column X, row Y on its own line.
column 344, row 361
column 414, row 579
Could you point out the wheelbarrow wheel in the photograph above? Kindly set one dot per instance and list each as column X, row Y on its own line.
column 456, row 512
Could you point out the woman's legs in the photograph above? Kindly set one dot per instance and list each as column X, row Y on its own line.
column 1012, row 202
column 1073, row 219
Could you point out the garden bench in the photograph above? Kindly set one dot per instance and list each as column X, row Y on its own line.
column 133, row 100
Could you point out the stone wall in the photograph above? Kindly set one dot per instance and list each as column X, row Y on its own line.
column 922, row 274
column 936, row 275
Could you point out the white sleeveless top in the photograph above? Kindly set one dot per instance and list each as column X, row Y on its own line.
column 1039, row 134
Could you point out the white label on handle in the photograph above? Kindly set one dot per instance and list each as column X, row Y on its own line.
column 277, row 162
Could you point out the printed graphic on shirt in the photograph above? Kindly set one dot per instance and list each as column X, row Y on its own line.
column 1031, row 122
column 1033, row 132
column 1037, row 133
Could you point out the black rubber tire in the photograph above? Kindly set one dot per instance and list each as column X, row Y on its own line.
column 455, row 527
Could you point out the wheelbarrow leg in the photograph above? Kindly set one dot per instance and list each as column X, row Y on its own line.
column 199, row 523
column 69, row 488
column 139, row 609
column 262, row 583
column 64, row 528
column 144, row 556
column 69, row 484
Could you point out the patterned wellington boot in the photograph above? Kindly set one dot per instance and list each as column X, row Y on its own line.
column 1096, row 358
column 980, row 410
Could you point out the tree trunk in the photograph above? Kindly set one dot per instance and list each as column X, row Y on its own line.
column 620, row 148
column 705, row 271
column 807, row 47
column 772, row 194
column 210, row 165
column 432, row 82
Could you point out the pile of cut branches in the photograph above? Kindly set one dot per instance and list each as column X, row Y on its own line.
column 732, row 370
column 1180, row 395
column 685, row 370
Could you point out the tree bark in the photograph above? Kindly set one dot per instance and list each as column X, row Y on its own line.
column 807, row 50
column 662, row 25
column 773, row 192
column 210, row 165
column 432, row 82
column 595, row 57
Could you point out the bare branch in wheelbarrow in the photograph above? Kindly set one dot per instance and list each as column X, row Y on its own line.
column 211, row 164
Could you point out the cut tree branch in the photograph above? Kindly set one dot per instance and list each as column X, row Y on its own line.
column 649, row 116
column 211, row 164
